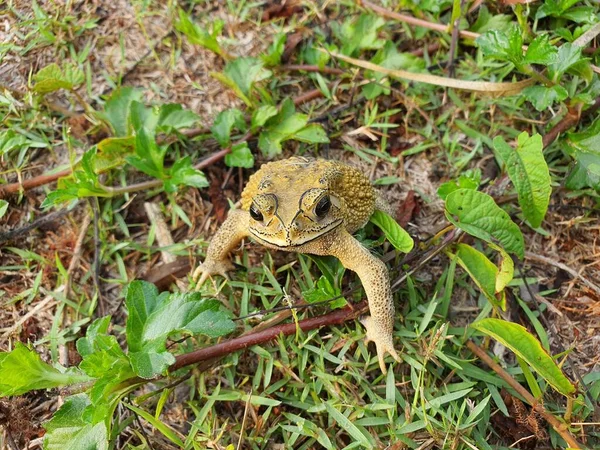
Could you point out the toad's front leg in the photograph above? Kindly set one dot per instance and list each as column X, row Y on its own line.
column 375, row 279
column 233, row 230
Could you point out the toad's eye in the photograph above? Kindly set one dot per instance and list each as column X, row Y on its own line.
column 323, row 207
column 255, row 213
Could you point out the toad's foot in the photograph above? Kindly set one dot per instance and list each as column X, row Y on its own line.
column 209, row 268
column 383, row 341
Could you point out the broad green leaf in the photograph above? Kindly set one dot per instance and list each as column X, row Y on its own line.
column 543, row 97
column 482, row 271
column 322, row 291
column 564, row 9
column 503, row 45
column 22, row 370
column 112, row 151
column 476, row 213
column 585, row 148
column 52, row 78
column 241, row 74
column 529, row 349
column 394, row 233
column 261, row 115
column 569, row 56
column 117, row 107
column 364, row 438
column 198, row 35
column 182, row 173
column 487, row 22
column 224, row 123
column 153, row 318
column 240, row 156
column 360, row 34
column 541, row 51
column 173, row 117
column 3, row 208
column 312, row 134
column 68, row 430
column 463, row 182
column 529, row 173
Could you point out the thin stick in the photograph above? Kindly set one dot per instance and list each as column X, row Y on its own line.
column 560, row 427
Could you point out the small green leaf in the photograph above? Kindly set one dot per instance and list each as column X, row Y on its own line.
column 183, row 173
column 529, row 349
column 153, row 318
column 68, row 430
column 541, row 51
column 261, row 115
column 364, row 438
column 482, row 271
column 463, row 182
column 506, row 270
column 503, row 45
column 22, row 370
column 166, row 431
column 198, row 35
column 486, row 22
column 112, row 152
column 224, row 123
column 394, row 233
column 361, row 34
column 476, row 213
column 240, row 156
column 543, row 97
column 529, row 173
column 312, row 134
column 52, row 78
column 569, row 56
column 241, row 74
column 173, row 117
column 275, row 51
column 324, row 290
column 3, row 208
column 117, row 108
column 585, row 148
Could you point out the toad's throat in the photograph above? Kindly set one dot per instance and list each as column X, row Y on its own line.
column 286, row 242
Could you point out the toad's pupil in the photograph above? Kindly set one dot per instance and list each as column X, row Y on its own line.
column 323, row 206
column 255, row 213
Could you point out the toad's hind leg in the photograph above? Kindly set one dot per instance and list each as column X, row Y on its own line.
column 375, row 279
column 233, row 230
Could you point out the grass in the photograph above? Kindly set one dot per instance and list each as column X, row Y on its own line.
column 321, row 388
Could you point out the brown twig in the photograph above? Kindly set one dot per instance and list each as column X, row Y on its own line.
column 571, row 119
column 334, row 318
column 560, row 427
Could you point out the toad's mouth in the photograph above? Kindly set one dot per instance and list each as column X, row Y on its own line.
column 283, row 241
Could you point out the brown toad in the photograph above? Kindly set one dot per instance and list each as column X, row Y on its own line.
column 312, row 206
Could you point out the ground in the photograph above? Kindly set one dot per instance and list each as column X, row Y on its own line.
column 57, row 277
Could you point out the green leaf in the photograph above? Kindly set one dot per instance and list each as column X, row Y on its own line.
column 183, row 173
column 166, row 431
column 569, row 56
column 117, row 107
column 153, row 318
column 3, row 208
column 52, row 78
column 360, row 436
column 361, row 34
column 476, row 213
column 463, row 182
column 486, row 22
column 275, row 51
column 585, row 148
column 541, row 51
column 483, row 272
column 261, row 115
column 22, row 370
column 503, row 45
column 394, row 233
column 198, row 35
column 112, row 151
column 324, row 290
column 529, row 349
column 529, row 173
column 543, row 97
column 173, row 117
column 506, row 270
column 241, row 74
column 240, row 156
column 68, row 430
column 312, row 134
column 224, row 123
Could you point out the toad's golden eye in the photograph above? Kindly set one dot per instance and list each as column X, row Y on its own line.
column 255, row 213
column 323, row 207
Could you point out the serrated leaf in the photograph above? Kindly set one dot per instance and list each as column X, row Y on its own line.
column 153, row 318
column 324, row 290
column 529, row 173
column 543, row 97
column 482, row 271
column 117, row 107
column 183, row 173
column 52, row 78
column 224, row 123
column 22, row 370
column 68, row 430
column 529, row 349
column 394, row 233
column 569, row 55
column 585, row 148
column 241, row 74
column 541, row 51
column 240, row 156
column 503, row 45
column 476, row 213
